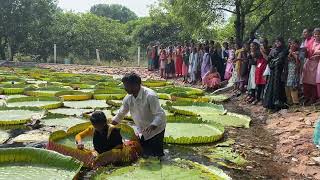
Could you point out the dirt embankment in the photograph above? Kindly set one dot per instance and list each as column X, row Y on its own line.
column 293, row 131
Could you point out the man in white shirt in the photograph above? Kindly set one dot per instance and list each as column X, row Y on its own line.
column 146, row 112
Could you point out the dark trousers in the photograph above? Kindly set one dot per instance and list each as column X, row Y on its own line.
column 260, row 91
column 153, row 146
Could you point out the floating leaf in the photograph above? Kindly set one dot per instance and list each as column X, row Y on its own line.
column 41, row 102
column 15, row 116
column 156, row 170
column 189, row 133
column 88, row 104
column 32, row 163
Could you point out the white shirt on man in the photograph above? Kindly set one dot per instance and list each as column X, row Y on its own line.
column 145, row 110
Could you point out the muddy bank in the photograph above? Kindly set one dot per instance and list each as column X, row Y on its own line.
column 291, row 132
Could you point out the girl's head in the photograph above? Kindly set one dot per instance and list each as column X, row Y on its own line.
column 246, row 46
column 294, row 45
column 217, row 46
column 307, row 33
column 225, row 45
column 207, row 49
column 213, row 69
column 264, row 42
column 238, row 45
column 194, row 49
column 316, row 34
column 279, row 43
column 98, row 120
column 254, row 47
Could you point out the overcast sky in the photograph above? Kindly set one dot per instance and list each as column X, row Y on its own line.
column 140, row 7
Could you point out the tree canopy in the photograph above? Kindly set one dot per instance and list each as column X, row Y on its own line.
column 114, row 11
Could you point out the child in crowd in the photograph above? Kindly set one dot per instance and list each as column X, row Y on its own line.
column 185, row 65
column 260, row 80
column 211, row 80
column 163, row 62
column 193, row 61
column 293, row 78
column 254, row 55
column 170, row 64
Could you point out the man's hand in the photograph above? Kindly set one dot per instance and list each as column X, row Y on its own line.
column 114, row 123
column 150, row 129
column 80, row 146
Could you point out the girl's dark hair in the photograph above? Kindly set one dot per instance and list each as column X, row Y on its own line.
column 316, row 30
column 132, row 78
column 98, row 117
column 207, row 49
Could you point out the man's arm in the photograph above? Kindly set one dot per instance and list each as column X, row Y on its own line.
column 156, row 110
column 88, row 132
column 123, row 111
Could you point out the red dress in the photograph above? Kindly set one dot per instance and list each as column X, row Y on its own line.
column 179, row 61
column 261, row 67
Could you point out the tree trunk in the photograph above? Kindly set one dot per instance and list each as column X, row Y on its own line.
column 10, row 56
column 2, row 50
column 237, row 23
column 243, row 26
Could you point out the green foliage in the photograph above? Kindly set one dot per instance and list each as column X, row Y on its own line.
column 82, row 34
column 114, row 11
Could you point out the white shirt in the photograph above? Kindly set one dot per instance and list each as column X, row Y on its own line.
column 145, row 110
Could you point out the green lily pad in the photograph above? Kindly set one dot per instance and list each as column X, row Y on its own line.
column 70, row 111
column 214, row 113
column 32, row 163
column 40, row 102
column 88, row 104
column 4, row 136
column 65, row 123
column 70, row 142
column 15, row 116
column 156, row 170
column 189, row 133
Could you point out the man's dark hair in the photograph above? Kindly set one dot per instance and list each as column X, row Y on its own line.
column 98, row 117
column 132, row 78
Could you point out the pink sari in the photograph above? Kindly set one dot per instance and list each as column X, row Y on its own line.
column 316, row 57
column 211, row 80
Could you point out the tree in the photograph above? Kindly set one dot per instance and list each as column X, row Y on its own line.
column 24, row 24
column 81, row 34
column 210, row 12
column 114, row 11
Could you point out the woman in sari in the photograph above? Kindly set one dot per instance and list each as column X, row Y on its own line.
column 275, row 97
column 206, row 63
column 179, row 61
column 316, row 56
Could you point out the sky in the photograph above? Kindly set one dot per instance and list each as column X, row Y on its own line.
column 140, row 7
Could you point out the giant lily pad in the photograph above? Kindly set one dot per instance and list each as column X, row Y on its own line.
column 70, row 111
column 32, row 163
column 156, row 170
column 14, row 116
column 74, row 95
column 64, row 142
column 192, row 133
column 63, row 123
column 213, row 113
column 89, row 104
column 225, row 156
column 109, row 96
column 40, row 102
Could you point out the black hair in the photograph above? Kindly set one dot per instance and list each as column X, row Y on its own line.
column 98, row 117
column 207, row 49
column 316, row 30
column 132, row 78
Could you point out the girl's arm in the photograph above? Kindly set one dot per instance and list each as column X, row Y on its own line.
column 88, row 132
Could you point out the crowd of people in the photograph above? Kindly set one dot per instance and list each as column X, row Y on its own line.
column 275, row 76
